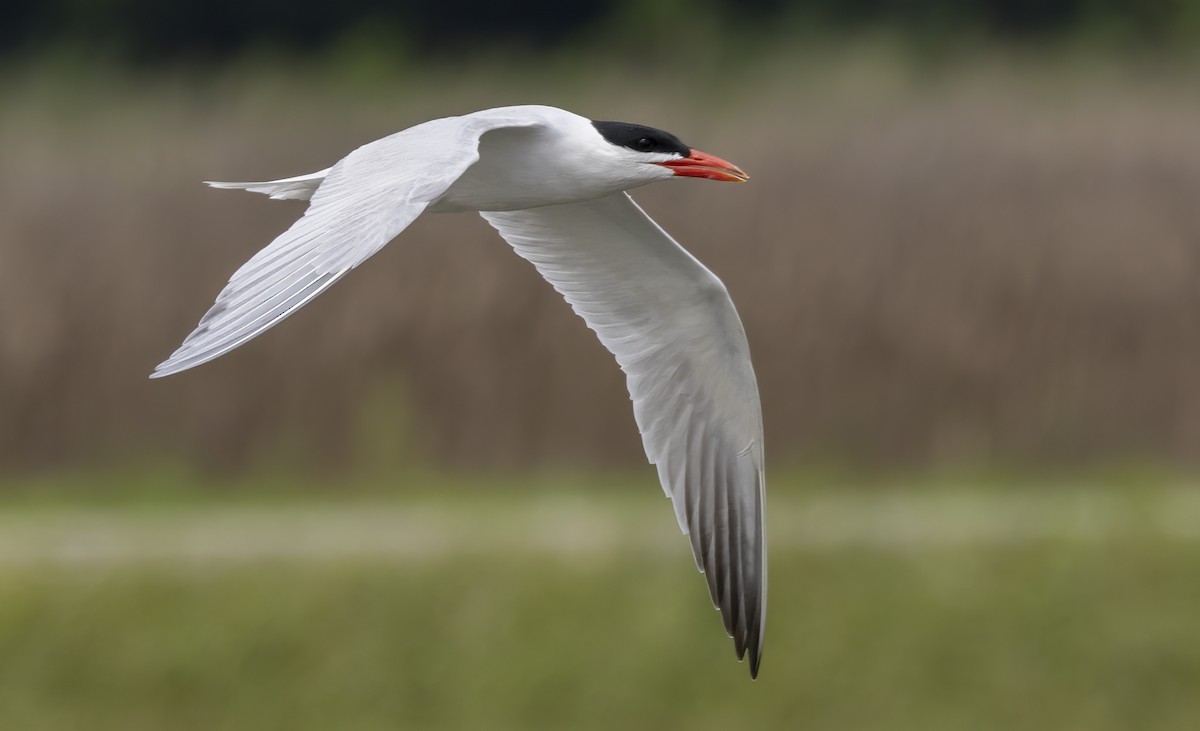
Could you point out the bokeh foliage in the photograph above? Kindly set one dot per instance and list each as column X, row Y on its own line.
column 957, row 626
column 984, row 257
column 145, row 32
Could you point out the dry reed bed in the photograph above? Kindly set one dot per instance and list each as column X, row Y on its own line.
column 981, row 268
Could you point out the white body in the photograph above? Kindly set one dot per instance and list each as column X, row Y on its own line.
column 553, row 188
column 526, row 167
column 528, row 156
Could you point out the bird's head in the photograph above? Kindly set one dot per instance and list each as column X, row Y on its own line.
column 671, row 158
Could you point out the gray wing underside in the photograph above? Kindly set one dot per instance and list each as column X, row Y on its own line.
column 359, row 205
column 674, row 331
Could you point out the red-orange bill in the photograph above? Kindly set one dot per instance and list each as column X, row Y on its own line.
column 703, row 165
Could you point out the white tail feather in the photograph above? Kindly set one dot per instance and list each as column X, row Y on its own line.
column 300, row 187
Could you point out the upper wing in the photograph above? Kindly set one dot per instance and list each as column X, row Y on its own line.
column 673, row 329
column 364, row 202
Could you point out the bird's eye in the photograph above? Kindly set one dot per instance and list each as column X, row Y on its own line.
column 645, row 143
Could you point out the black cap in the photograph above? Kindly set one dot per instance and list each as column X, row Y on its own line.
column 640, row 138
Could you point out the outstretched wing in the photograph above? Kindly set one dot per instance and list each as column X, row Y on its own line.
column 363, row 202
column 673, row 329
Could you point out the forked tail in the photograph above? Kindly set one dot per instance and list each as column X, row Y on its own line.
column 300, row 187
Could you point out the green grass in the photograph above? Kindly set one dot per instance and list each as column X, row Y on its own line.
column 913, row 610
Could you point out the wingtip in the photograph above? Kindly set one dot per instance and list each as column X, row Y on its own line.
column 751, row 649
column 754, row 659
column 748, row 651
column 164, row 369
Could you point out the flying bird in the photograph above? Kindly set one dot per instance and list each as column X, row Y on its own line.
column 553, row 184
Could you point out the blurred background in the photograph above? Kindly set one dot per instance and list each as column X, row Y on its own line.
column 968, row 264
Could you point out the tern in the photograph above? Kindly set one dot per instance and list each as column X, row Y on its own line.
column 553, row 184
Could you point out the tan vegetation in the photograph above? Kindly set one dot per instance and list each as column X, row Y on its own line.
column 980, row 266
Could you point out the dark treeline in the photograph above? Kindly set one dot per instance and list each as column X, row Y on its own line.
column 151, row 31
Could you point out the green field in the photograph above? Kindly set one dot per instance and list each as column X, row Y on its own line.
column 931, row 608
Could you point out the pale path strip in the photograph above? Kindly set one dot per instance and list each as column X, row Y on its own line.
column 576, row 527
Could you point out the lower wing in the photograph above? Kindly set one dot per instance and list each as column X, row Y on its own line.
column 674, row 331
